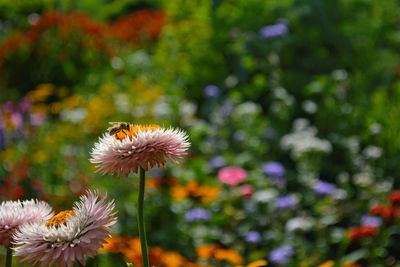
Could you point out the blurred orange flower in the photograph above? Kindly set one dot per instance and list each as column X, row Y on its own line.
column 221, row 254
column 192, row 189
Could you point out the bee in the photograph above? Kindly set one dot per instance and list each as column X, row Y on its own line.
column 118, row 127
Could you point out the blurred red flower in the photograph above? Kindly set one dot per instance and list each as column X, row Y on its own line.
column 362, row 231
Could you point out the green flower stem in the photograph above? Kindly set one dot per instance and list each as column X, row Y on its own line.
column 9, row 256
column 142, row 232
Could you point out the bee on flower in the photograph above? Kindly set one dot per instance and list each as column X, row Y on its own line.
column 126, row 147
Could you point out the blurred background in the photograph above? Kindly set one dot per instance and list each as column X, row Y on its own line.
column 291, row 106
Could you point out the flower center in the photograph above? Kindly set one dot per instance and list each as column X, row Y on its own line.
column 60, row 218
column 134, row 130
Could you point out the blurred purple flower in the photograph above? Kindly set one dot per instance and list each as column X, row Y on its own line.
column 217, row 162
column 24, row 105
column 197, row 214
column 8, row 107
column 278, row 181
column 227, row 109
column 275, row 30
column 368, row 220
column 239, row 136
column 281, row 255
column 252, row 237
column 273, row 168
column 285, row 202
column 324, row 188
column 211, row 90
column 37, row 119
column 275, row 172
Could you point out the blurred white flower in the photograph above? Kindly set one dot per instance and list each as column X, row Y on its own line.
column 117, row 63
column 247, row 108
column 352, row 143
column 231, row 81
column 339, row 194
column 303, row 140
column 373, row 152
column 121, row 101
column 73, row 115
column 309, row 106
column 300, row 124
column 283, row 95
column 339, row 75
column 299, row 223
column 363, row 178
column 265, row 196
column 375, row 128
column 161, row 108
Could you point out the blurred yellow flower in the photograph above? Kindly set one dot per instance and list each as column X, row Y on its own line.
column 329, row 263
column 41, row 93
column 258, row 263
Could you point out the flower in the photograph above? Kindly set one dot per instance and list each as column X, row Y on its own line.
column 142, row 146
column 69, row 235
column 273, row 168
column 298, row 223
column 205, row 251
column 211, row 90
column 192, row 189
column 273, row 30
column 324, row 188
column 385, row 211
column 394, row 197
column 257, row 263
column 362, row 231
column 286, row 202
column 228, row 255
column 217, row 162
column 329, row 263
column 281, row 255
column 197, row 214
column 232, row 175
column 275, row 171
column 246, row 190
column 132, row 251
column 371, row 221
column 15, row 213
column 265, row 196
column 252, row 237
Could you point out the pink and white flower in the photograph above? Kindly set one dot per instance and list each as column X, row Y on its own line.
column 140, row 146
column 15, row 213
column 68, row 236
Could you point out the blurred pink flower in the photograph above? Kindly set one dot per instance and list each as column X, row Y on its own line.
column 246, row 190
column 232, row 175
column 68, row 236
column 37, row 119
column 14, row 213
column 16, row 119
